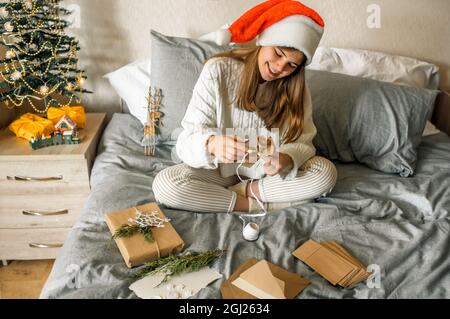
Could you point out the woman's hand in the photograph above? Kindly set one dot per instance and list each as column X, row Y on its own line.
column 276, row 163
column 227, row 148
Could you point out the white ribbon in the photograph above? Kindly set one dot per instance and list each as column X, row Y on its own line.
column 250, row 231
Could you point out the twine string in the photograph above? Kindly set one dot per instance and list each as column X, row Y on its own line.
column 241, row 216
column 158, row 224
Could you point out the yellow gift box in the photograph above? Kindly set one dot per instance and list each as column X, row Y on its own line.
column 76, row 114
column 28, row 126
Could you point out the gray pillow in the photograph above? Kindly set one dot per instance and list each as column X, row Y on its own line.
column 176, row 64
column 376, row 123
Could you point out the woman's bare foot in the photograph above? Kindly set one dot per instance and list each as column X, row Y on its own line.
column 252, row 188
column 241, row 204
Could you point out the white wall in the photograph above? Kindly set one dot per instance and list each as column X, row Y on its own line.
column 115, row 32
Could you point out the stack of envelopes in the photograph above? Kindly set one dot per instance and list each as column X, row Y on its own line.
column 332, row 262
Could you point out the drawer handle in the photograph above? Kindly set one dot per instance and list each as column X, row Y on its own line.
column 34, row 179
column 35, row 213
column 40, row 245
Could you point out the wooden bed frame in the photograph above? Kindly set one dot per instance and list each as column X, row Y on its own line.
column 441, row 115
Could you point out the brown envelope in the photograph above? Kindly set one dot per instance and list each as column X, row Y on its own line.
column 135, row 250
column 259, row 281
column 328, row 264
column 333, row 262
column 360, row 275
column 294, row 284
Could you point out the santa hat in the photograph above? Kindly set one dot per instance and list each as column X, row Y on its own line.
column 275, row 23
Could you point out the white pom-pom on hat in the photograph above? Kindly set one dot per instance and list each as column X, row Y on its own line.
column 220, row 37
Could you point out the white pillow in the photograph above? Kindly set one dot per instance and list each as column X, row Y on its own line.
column 131, row 82
column 379, row 66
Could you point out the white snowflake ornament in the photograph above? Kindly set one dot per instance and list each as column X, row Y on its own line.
column 148, row 220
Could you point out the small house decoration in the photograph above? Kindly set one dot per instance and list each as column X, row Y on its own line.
column 66, row 124
column 65, row 133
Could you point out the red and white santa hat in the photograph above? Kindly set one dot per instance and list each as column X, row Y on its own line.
column 275, row 23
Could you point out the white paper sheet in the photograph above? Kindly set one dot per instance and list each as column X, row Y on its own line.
column 182, row 286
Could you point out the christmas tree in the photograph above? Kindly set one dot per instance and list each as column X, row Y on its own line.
column 39, row 65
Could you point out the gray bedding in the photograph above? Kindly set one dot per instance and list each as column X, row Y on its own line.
column 400, row 224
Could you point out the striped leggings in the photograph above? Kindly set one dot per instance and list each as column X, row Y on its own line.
column 203, row 190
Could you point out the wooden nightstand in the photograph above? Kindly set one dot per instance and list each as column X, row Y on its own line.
column 42, row 192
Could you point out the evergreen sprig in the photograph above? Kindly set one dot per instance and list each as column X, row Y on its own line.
column 127, row 230
column 176, row 264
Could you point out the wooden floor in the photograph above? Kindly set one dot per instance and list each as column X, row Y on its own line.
column 24, row 279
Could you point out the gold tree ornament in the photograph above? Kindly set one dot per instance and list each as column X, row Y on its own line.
column 3, row 12
column 28, row 4
column 153, row 121
column 40, row 64
column 44, row 89
column 10, row 54
column 8, row 27
column 16, row 75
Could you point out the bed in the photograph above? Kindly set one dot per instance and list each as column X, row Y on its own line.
column 398, row 225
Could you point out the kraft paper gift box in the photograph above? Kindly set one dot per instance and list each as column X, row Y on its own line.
column 264, row 147
column 135, row 250
column 261, row 279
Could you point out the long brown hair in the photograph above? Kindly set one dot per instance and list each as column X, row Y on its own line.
column 283, row 97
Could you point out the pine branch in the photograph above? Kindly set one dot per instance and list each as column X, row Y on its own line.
column 129, row 230
column 176, row 264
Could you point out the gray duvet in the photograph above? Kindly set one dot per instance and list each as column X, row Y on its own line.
column 400, row 226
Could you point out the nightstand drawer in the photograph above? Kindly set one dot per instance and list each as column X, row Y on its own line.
column 31, row 243
column 51, row 177
column 40, row 211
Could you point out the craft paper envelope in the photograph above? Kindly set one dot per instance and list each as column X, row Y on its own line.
column 360, row 273
column 294, row 284
column 135, row 250
column 329, row 265
column 260, row 282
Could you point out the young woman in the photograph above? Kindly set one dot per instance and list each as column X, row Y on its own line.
column 258, row 87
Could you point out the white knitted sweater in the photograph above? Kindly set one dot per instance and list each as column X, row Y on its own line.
column 213, row 109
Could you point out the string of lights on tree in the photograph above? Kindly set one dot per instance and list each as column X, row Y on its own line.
column 40, row 63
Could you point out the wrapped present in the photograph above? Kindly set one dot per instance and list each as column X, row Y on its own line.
column 138, row 248
column 264, row 147
column 29, row 125
column 76, row 114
